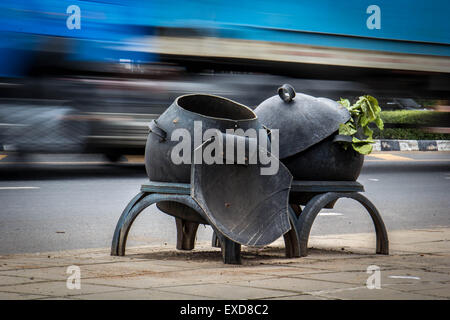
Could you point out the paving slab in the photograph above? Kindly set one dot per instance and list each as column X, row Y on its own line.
column 363, row 293
column 357, row 264
column 57, row 288
column 142, row 294
column 171, row 278
column 387, row 277
column 126, row 268
column 277, row 270
column 299, row 297
column 19, row 296
column 43, row 273
column 443, row 292
column 12, row 280
column 228, row 291
column 295, row 285
column 420, row 285
column 435, row 240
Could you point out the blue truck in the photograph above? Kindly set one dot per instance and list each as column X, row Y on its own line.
column 383, row 34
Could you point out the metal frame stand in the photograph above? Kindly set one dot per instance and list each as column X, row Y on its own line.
column 154, row 192
column 314, row 195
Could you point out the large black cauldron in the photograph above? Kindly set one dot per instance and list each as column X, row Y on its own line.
column 213, row 112
column 308, row 128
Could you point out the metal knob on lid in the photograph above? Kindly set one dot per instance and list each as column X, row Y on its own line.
column 286, row 93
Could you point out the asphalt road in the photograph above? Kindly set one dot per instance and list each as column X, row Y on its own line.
column 59, row 202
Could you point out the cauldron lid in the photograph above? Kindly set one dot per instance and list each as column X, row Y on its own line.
column 303, row 120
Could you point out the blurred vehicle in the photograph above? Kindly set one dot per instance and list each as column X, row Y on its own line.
column 88, row 76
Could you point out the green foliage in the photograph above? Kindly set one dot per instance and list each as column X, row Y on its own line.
column 409, row 134
column 347, row 129
column 362, row 146
column 421, row 118
column 364, row 112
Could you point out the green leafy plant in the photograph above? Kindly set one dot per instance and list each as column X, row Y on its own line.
column 365, row 111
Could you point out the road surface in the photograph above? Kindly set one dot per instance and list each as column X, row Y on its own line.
column 59, row 202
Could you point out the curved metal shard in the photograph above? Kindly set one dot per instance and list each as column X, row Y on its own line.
column 245, row 206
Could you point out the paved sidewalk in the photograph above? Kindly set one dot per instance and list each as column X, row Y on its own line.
column 336, row 268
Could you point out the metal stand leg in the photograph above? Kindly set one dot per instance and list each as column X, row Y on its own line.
column 231, row 251
column 313, row 207
column 291, row 238
column 120, row 224
column 215, row 241
column 186, row 231
column 134, row 208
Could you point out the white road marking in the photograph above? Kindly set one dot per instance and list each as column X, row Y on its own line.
column 374, row 179
column 18, row 188
column 330, row 214
column 404, row 277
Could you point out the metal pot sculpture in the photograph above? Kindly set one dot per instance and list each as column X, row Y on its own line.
column 241, row 202
column 211, row 112
column 308, row 129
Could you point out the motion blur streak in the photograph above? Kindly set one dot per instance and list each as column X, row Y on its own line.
column 82, row 76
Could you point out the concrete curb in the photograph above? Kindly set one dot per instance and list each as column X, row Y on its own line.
column 411, row 145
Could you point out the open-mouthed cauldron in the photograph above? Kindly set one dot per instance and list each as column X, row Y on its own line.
column 308, row 127
column 239, row 201
column 214, row 112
